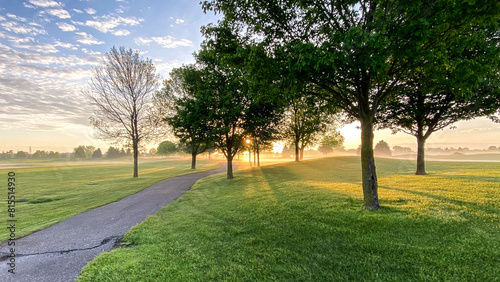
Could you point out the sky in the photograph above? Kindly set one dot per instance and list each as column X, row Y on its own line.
column 48, row 49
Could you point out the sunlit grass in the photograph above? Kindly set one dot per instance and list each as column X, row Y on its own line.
column 47, row 194
column 304, row 221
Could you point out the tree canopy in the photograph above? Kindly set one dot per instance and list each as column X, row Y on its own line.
column 358, row 52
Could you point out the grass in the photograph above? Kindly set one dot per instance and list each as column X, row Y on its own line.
column 49, row 192
column 304, row 222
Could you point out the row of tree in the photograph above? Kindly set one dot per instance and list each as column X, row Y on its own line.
column 415, row 66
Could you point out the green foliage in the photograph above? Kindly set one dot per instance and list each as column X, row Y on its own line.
column 382, row 148
column 331, row 141
column 79, row 153
column 305, row 121
column 97, row 154
column 112, row 153
column 303, row 222
column 357, row 53
column 190, row 118
column 166, row 148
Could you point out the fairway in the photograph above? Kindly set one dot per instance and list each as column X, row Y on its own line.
column 47, row 193
column 304, row 222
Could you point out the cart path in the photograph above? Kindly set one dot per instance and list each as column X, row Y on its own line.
column 59, row 252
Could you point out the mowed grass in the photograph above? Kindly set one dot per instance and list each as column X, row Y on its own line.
column 47, row 193
column 304, row 222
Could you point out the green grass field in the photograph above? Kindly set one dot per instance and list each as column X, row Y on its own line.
column 49, row 192
column 304, row 222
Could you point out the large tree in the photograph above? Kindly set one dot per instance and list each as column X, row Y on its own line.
column 122, row 90
column 357, row 51
column 189, row 117
column 223, row 93
column 425, row 108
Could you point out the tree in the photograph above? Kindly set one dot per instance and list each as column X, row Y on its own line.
column 305, row 120
column 190, row 119
column 429, row 105
column 97, row 154
column 330, row 142
column 79, row 152
column 21, row 155
column 357, row 52
column 224, row 94
column 402, row 150
column 166, row 148
column 152, row 151
column 122, row 90
column 262, row 120
column 112, row 153
column 382, row 148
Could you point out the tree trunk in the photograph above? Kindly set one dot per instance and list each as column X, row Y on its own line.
column 193, row 160
column 420, row 155
column 135, row 147
column 297, row 158
column 229, row 166
column 258, row 155
column 302, row 153
column 369, row 174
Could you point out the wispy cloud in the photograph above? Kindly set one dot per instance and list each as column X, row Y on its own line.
column 65, row 45
column 60, row 13
column 121, row 32
column 90, row 11
column 45, row 84
column 18, row 28
column 66, row 26
column 165, row 42
column 109, row 24
column 21, row 19
column 179, row 21
column 78, row 11
column 45, row 3
column 88, row 39
column 90, row 52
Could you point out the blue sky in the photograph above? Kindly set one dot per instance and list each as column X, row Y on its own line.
column 48, row 47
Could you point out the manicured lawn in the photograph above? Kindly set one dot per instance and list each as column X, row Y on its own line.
column 295, row 222
column 47, row 193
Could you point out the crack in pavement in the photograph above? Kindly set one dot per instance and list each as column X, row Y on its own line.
column 104, row 242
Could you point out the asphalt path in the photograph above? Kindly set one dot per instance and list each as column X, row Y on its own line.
column 59, row 252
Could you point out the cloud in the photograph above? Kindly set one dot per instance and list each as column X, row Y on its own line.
column 107, row 24
column 39, row 48
column 17, row 28
column 121, row 32
column 65, row 45
column 60, row 13
column 88, row 39
column 179, row 21
column 21, row 19
column 2, row 18
column 45, row 3
column 26, row 5
column 47, row 87
column 142, row 41
column 89, row 52
column 66, row 26
column 90, row 11
column 165, row 42
column 78, row 11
